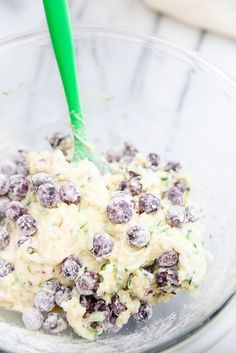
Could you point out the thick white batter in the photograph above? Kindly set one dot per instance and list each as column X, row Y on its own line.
column 121, row 277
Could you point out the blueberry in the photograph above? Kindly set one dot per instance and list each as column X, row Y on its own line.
column 62, row 295
column 113, row 156
column 44, row 301
column 149, row 203
column 116, row 308
column 4, row 238
column 52, row 285
column 18, row 187
column 102, row 306
column 22, row 239
column 69, row 193
column 4, row 185
column 87, row 283
column 172, row 166
column 40, row 179
column 57, row 139
column 15, row 209
column 144, row 313
column 181, row 185
column 54, row 323
column 102, row 245
column 175, row 195
column 192, row 214
column 123, row 185
column 5, row 268
column 21, row 162
column 70, row 267
column 48, row 195
column 168, row 259
column 26, row 224
column 138, row 236
column 127, row 154
column 153, row 159
column 135, row 185
column 8, row 168
column 32, row 319
column 129, row 150
column 168, row 277
column 120, row 209
column 92, row 304
column 89, row 302
column 176, row 216
column 4, row 202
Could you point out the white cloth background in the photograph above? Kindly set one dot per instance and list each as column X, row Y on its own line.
column 215, row 15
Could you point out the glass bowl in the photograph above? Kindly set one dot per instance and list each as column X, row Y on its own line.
column 163, row 99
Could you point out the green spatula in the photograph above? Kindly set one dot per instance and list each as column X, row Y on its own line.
column 59, row 24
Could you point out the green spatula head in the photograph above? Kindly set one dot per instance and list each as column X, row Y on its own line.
column 59, row 24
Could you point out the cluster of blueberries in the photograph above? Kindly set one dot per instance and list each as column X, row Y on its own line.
column 55, row 294
column 176, row 215
column 14, row 185
column 87, row 284
column 165, row 270
column 13, row 189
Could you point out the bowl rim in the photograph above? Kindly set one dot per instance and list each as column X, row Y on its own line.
column 121, row 32
column 29, row 37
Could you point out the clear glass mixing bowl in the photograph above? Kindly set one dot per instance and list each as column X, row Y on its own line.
column 162, row 98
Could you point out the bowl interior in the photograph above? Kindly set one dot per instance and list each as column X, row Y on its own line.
column 161, row 98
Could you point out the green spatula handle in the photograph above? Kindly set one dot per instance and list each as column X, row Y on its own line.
column 59, row 24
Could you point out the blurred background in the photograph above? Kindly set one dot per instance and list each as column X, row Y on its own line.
column 139, row 15
column 207, row 26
